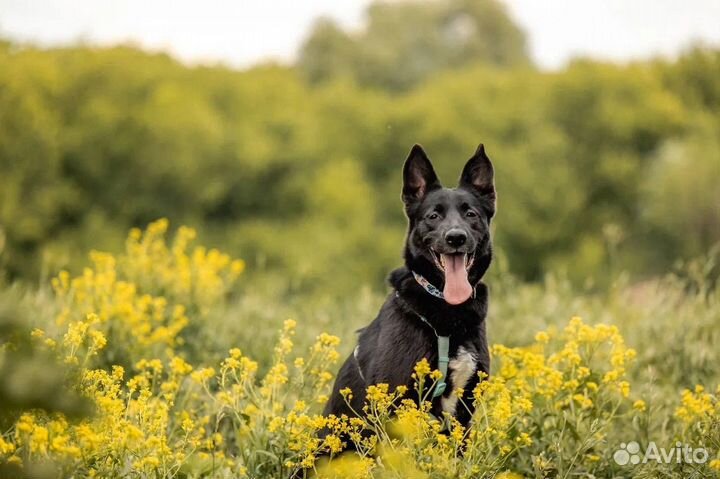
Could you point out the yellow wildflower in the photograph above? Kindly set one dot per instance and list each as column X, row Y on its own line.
column 542, row 337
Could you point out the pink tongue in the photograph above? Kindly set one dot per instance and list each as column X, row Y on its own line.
column 457, row 287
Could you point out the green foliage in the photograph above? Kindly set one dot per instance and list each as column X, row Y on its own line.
column 403, row 43
column 696, row 77
column 30, row 378
column 681, row 191
column 599, row 167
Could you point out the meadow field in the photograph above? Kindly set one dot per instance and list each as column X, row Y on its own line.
column 188, row 249
column 156, row 362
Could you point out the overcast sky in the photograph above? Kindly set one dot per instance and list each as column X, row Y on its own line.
column 243, row 32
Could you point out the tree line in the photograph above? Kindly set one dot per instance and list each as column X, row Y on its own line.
column 600, row 167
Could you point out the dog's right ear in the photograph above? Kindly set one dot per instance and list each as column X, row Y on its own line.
column 419, row 177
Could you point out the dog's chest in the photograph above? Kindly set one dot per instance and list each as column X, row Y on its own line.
column 461, row 368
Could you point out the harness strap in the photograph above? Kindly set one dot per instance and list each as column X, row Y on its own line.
column 443, row 359
column 443, row 343
column 357, row 362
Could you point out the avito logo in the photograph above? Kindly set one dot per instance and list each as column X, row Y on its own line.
column 630, row 453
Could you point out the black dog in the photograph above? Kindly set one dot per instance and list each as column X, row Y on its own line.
column 437, row 294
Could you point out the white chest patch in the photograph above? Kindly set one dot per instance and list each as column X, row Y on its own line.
column 461, row 367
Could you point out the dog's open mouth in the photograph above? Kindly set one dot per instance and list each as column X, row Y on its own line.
column 455, row 267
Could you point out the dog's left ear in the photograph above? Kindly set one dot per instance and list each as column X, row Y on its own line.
column 478, row 176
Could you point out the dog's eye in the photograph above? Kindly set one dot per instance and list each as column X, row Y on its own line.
column 433, row 216
column 470, row 214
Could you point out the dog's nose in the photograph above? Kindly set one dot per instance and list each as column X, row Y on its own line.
column 455, row 238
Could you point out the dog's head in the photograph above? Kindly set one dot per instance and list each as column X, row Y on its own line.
column 448, row 239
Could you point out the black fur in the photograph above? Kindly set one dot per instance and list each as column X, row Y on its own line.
column 397, row 339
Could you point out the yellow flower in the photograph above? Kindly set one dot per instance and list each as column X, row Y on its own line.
column 37, row 333
column 509, row 475
column 422, row 368
column 275, row 424
column 285, row 345
column 542, row 337
column 524, row 439
column 333, row 443
column 277, row 375
column 237, row 266
column 179, row 366
column 694, row 405
column 75, row 334
column 136, row 306
column 203, row 375
column 584, row 401
column 308, row 461
column 186, row 422
column 6, row 447
column 328, row 340
column 98, row 340
column 377, row 392
column 624, row 388
column 345, row 466
column 250, row 410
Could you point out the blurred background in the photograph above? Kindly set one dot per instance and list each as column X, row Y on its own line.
column 279, row 130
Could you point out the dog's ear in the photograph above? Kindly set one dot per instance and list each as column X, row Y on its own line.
column 419, row 177
column 478, row 176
